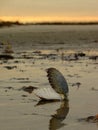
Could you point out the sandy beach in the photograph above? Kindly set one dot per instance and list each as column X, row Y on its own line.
column 22, row 110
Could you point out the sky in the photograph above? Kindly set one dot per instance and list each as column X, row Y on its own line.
column 49, row 10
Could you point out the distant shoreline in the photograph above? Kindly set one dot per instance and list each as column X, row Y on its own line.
column 10, row 23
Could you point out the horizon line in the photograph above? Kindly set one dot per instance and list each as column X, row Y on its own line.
column 54, row 21
column 11, row 23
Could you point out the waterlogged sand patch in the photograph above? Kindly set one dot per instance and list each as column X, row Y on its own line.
column 22, row 110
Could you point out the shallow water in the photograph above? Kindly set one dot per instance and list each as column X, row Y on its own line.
column 51, row 37
column 20, row 110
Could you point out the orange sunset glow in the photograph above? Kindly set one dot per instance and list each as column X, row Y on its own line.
column 49, row 10
column 48, row 19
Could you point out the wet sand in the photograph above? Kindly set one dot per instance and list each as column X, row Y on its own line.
column 21, row 110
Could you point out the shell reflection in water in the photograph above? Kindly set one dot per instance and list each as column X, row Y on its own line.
column 61, row 113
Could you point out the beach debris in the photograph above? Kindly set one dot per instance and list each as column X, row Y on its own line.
column 48, row 56
column 96, row 41
column 93, row 57
column 6, row 57
column 16, row 61
column 81, row 54
column 9, row 87
column 76, row 84
column 71, row 57
column 10, row 67
column 94, row 89
column 37, row 52
column 76, row 56
column 59, row 88
column 90, row 119
column 24, row 95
